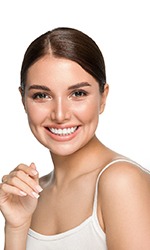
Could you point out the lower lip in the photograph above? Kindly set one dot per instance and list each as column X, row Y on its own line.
column 62, row 138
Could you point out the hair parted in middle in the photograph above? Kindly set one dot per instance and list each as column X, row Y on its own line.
column 66, row 43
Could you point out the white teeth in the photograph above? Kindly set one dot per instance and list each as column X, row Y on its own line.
column 65, row 131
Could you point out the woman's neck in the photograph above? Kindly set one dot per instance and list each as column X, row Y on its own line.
column 66, row 168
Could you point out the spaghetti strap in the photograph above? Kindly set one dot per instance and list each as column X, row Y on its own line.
column 101, row 172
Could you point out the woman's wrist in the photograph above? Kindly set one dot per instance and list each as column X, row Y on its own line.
column 16, row 237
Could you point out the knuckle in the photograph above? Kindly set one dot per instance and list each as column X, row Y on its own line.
column 3, row 186
column 16, row 173
column 4, row 178
column 12, row 174
column 13, row 180
column 19, row 174
column 21, row 166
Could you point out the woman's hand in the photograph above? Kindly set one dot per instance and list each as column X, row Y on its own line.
column 19, row 192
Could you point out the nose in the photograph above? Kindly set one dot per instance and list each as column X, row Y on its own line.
column 60, row 112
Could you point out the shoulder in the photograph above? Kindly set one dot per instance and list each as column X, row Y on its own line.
column 124, row 190
column 121, row 176
column 123, row 171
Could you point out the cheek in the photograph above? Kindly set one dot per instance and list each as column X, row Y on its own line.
column 88, row 112
column 36, row 113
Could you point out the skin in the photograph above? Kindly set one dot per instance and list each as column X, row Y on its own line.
column 61, row 108
column 59, row 94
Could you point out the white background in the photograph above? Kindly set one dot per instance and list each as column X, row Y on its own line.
column 122, row 31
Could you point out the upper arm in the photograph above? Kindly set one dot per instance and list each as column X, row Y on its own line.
column 125, row 205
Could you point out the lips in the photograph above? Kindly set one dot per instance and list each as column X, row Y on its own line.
column 64, row 131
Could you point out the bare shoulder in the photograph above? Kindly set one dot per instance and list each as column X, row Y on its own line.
column 124, row 189
column 121, row 174
column 124, row 181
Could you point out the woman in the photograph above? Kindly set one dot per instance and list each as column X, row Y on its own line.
column 94, row 198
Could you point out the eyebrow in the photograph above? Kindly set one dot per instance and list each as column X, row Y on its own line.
column 41, row 87
column 75, row 86
column 79, row 85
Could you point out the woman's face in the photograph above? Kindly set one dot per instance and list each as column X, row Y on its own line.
column 63, row 103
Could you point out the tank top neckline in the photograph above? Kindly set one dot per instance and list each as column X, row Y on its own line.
column 93, row 216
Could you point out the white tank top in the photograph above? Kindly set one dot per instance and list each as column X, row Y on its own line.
column 87, row 236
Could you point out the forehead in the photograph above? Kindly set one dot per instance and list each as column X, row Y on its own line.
column 49, row 70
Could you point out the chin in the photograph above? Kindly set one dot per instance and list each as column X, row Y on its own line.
column 62, row 152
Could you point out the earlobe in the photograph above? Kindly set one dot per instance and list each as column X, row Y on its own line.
column 103, row 98
column 21, row 91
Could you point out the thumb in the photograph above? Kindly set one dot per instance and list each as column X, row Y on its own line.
column 35, row 174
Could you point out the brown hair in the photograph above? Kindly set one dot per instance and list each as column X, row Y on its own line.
column 66, row 43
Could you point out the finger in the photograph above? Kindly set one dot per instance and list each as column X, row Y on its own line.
column 4, row 178
column 27, row 169
column 18, row 187
column 16, row 191
column 35, row 174
column 7, row 189
column 33, row 169
column 24, row 182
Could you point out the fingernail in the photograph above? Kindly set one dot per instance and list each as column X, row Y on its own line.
column 38, row 188
column 35, row 195
column 34, row 172
column 32, row 164
column 23, row 193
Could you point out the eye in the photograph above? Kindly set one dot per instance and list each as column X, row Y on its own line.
column 40, row 96
column 79, row 93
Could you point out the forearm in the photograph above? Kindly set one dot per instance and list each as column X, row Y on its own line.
column 15, row 238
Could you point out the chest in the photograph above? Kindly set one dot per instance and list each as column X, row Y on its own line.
column 61, row 211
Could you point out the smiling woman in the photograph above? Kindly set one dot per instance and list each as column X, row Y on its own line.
column 94, row 198
column 69, row 100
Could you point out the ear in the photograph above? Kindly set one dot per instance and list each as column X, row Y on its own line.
column 22, row 96
column 103, row 97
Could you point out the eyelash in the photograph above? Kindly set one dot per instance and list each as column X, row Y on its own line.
column 74, row 94
column 40, row 95
column 81, row 93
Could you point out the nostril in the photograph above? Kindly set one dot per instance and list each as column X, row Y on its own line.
column 60, row 116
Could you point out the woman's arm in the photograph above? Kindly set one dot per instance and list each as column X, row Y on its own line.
column 19, row 192
column 125, row 204
column 15, row 238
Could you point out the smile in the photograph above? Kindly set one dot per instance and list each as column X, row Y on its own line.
column 63, row 132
